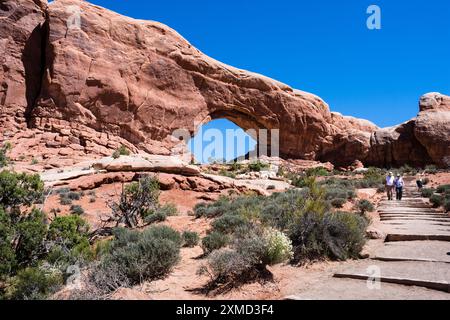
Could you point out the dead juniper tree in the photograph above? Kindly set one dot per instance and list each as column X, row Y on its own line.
column 137, row 200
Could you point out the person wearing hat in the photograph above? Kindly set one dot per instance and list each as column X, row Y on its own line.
column 399, row 183
column 390, row 184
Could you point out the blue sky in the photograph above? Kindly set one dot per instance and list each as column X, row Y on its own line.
column 322, row 46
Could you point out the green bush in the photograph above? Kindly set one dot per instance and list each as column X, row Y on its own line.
column 280, row 209
column 33, row 284
column 77, row 210
column 258, row 166
column 121, row 151
column 331, row 235
column 338, row 202
column 4, row 160
column 70, row 232
column 142, row 256
column 67, row 197
column 190, row 239
column 317, row 172
column 214, row 241
column 228, row 223
column 447, row 205
column 427, row 192
column 158, row 216
column 19, row 189
column 431, row 169
column 28, row 244
column 443, row 188
column 437, row 200
column 364, row 206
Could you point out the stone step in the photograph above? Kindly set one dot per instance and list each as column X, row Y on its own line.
column 435, row 285
column 432, row 275
column 414, row 237
column 437, row 251
column 349, row 289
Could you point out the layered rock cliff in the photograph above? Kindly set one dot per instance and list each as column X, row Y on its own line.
column 114, row 79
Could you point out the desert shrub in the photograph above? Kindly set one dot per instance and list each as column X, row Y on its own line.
column 258, row 166
column 73, row 195
column 92, row 199
column 373, row 178
column 364, row 206
column 227, row 173
column 33, row 284
column 317, row 172
column 338, row 202
column 62, row 191
column 31, row 231
column 447, row 204
column 331, row 235
column 443, row 188
column 76, row 209
column 168, row 209
column 278, row 247
column 4, row 160
column 19, row 189
column 252, row 249
column 427, row 192
column 225, row 265
column 160, row 214
column 157, row 216
column 437, row 200
column 298, row 181
column 64, row 201
column 137, row 200
column 28, row 243
column 431, row 169
column 121, row 151
column 246, row 205
column 69, row 233
column 66, row 198
column 190, row 239
column 406, row 169
column 214, row 241
column 150, row 255
column 280, row 209
column 228, row 223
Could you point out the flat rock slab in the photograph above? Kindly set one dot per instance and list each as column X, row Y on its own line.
column 348, row 289
column 433, row 251
column 432, row 275
column 405, row 236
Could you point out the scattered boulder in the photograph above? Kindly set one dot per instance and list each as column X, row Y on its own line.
column 373, row 233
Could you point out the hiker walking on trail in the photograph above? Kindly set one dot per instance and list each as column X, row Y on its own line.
column 399, row 184
column 390, row 180
column 419, row 183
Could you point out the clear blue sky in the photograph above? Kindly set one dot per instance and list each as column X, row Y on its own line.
column 322, row 46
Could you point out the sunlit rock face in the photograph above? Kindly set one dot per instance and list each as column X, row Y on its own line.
column 102, row 79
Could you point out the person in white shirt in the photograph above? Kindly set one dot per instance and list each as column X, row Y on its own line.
column 390, row 184
column 399, row 184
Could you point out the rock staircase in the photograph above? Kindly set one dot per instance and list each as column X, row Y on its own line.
column 413, row 262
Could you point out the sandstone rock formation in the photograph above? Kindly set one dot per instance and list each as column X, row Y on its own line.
column 114, row 80
column 422, row 140
column 22, row 33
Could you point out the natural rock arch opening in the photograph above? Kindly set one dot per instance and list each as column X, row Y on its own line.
column 221, row 140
